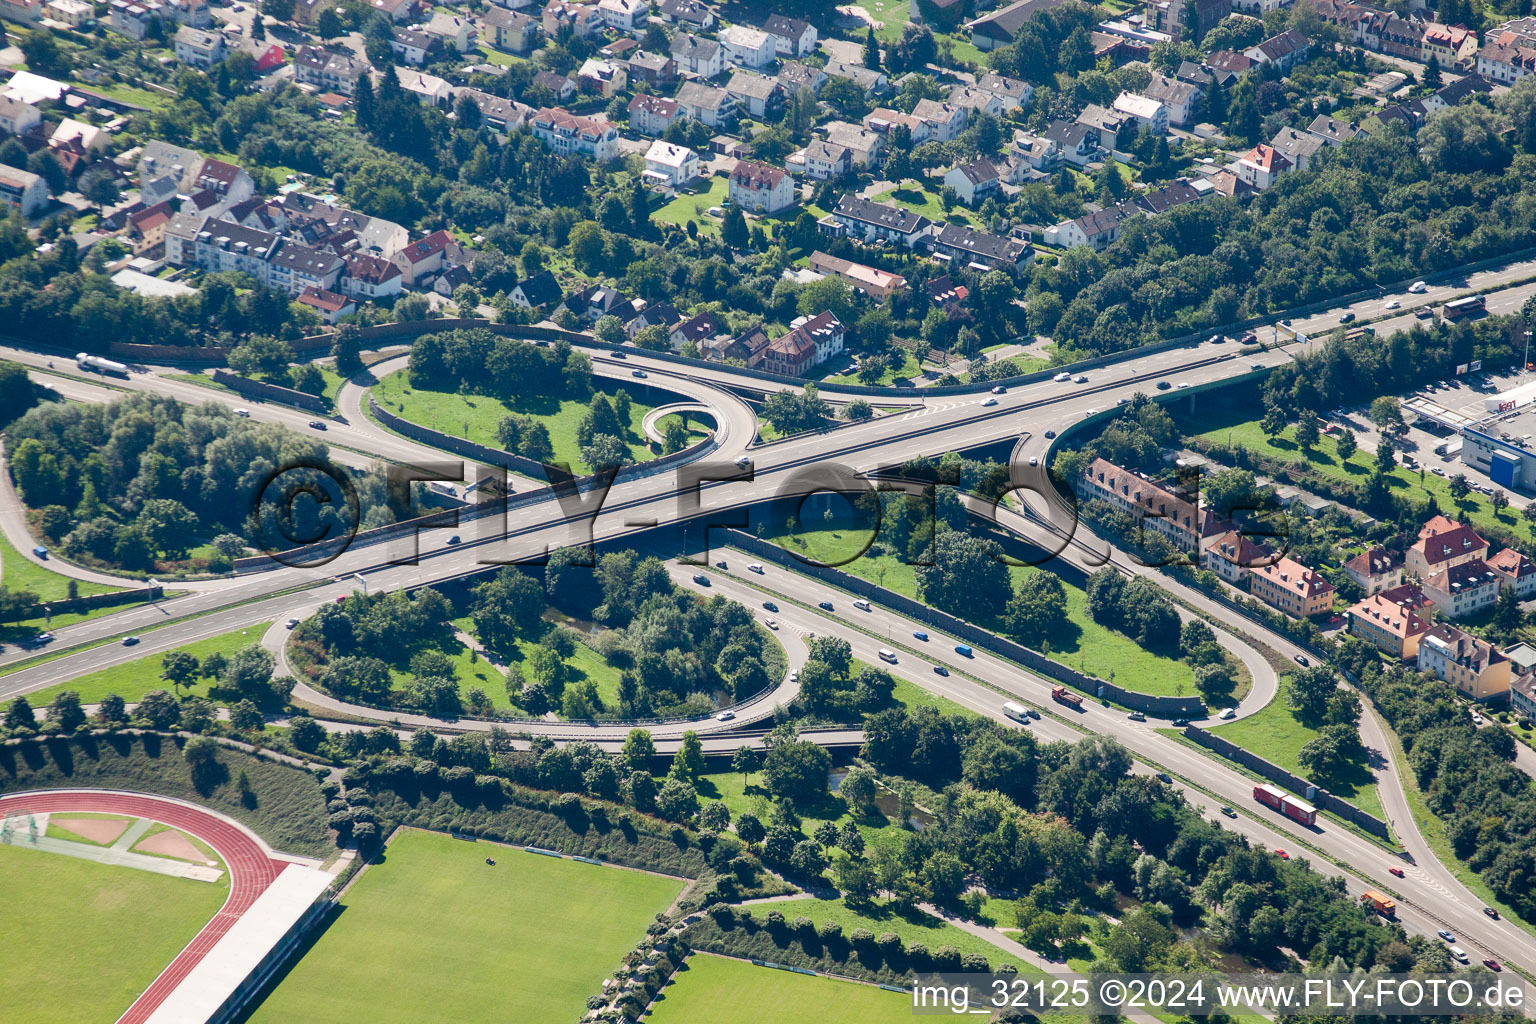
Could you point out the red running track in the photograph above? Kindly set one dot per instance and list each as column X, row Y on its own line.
column 250, row 869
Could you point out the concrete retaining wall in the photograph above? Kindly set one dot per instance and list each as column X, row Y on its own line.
column 1170, row 707
column 1320, row 798
column 270, row 392
column 457, row 445
column 84, row 604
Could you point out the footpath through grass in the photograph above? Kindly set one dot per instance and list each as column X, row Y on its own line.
column 476, row 417
column 1083, row 644
column 82, row 940
column 715, row 990
column 132, row 680
column 434, row 933
column 1275, row 735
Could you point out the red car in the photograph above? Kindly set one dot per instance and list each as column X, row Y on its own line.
column 1396, row 871
column 1492, row 965
column 1282, row 855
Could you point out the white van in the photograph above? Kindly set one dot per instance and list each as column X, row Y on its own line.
column 1418, row 288
column 886, row 654
column 1017, row 712
column 756, row 567
column 861, row 604
column 1459, row 953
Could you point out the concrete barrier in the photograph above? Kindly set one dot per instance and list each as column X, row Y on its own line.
column 270, row 392
column 69, row 605
column 1320, row 798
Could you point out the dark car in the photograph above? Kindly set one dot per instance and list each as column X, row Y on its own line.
column 770, row 606
column 129, row 641
column 701, row 579
column 1301, row 659
column 1229, row 812
column 1180, row 722
column 825, row 606
column 1163, row 385
column 1491, row 913
column 1164, row 777
column 317, row 424
column 941, row 670
column 616, row 354
column 1050, row 434
column 1347, row 318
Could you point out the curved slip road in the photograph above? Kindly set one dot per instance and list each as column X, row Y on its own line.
column 251, row 867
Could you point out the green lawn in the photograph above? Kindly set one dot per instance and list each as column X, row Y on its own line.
column 436, row 934
column 907, row 367
column 476, row 417
column 1085, row 645
column 584, row 664
column 926, row 202
column 715, row 990
column 20, row 573
column 913, row 926
column 692, row 204
column 1475, row 509
column 83, row 940
column 1275, row 735
column 132, row 680
column 892, row 16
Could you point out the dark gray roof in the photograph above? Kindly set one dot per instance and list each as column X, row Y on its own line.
column 979, row 243
column 894, row 218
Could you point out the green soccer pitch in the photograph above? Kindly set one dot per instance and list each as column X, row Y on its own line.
column 713, row 990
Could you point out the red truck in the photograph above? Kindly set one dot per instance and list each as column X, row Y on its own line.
column 1065, row 696
column 1290, row 806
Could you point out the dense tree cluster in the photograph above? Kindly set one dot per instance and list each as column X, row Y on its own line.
column 479, row 362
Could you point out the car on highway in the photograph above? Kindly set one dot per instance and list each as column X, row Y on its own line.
column 316, row 425
column 1062, row 378
column 1228, row 714
column 243, row 413
column 41, row 639
column 756, row 567
column 1249, row 338
column 1347, row 318
column 770, row 606
column 1255, row 366
column 918, row 634
column 701, row 579
column 721, row 564
column 1457, row 953
column 1034, row 460
column 794, row 675
column 40, row 552
column 637, row 372
column 990, row 401
column 940, row 670
column 1491, row 913
column 725, row 716
column 861, row 604
column 1136, row 716
column 1397, row 871
column 1282, row 854
column 1090, row 414
column 1418, row 288
column 999, row 390
column 1446, row 935
column 1301, row 659
column 1049, row 434
column 1423, row 312
column 742, row 462
column 1229, row 812
column 616, row 354
column 825, row 606
column 1163, row 385
column 771, row 623
column 455, row 539
column 1217, row 339
column 1164, row 777
column 1081, row 378
column 130, row 641
column 1180, row 723
column 292, row 623
column 1182, row 385
column 1492, row 964
column 1393, row 304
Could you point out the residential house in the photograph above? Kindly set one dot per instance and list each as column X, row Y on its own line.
column 327, row 71
column 146, row 228
column 747, row 349
column 979, row 249
column 999, row 28
column 1507, row 56
column 761, row 188
column 134, row 20
column 1375, row 570
column 794, row 76
column 429, row 90
column 976, row 101
column 16, row 117
column 1442, row 543
column 697, row 55
column 602, row 77
column 536, row 292
column 1095, row 230
column 871, row 80
column 1177, row 193
column 1475, row 667
column 1153, row 507
column 943, row 291
column 670, row 165
column 1452, row 45
column 198, row 48
column 809, row 342
column 414, row 46
column 1111, row 125
column 225, row 180
column 1291, row 587
column 653, row 115
column 1285, row 50
column 218, row 246
column 371, row 277
column 583, row 20
column 822, row 161
column 625, row 16
column 761, row 97
column 1150, row 113
column 945, row 119
column 698, row 330
column 876, row 283
column 792, row 37
column 1077, row 143
column 1522, row 696
column 868, row 221
column 1298, row 147
column 1333, row 132
column 1262, row 166
column 657, row 314
column 693, row 15
column 293, row 268
column 510, row 31
column 1014, row 93
column 714, row 107
column 1391, row 628
column 455, row 33
column 1463, row 589
column 1171, row 16
column 22, row 12
column 1232, row 554
column 427, row 257
column 1518, row 572
column 564, row 132
column 496, row 113
column 865, row 147
column 563, row 88
column 1032, row 153
column 317, row 222
column 330, row 305
column 973, row 182
column 163, row 160
column 747, row 47
column 1180, row 98
column 654, row 69
column 885, row 121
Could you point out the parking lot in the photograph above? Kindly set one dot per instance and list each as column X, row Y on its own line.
column 1452, row 401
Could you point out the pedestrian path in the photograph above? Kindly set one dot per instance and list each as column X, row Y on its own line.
column 30, row 831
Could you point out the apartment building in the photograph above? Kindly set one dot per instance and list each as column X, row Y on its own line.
column 1475, row 667
column 1292, row 588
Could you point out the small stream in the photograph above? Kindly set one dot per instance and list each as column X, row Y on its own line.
column 886, row 799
